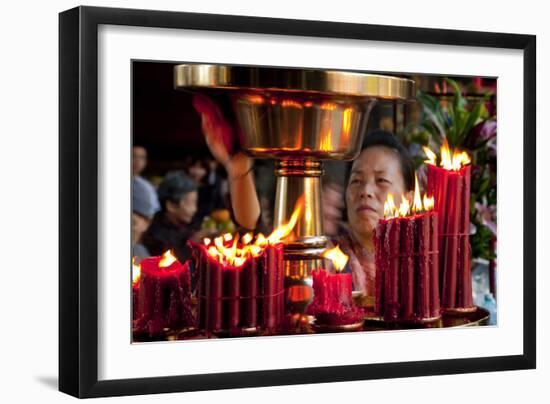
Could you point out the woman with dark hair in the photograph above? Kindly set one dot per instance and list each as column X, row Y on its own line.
column 382, row 167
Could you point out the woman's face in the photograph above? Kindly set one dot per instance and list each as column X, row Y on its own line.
column 374, row 174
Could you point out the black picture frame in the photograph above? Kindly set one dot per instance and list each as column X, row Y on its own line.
column 78, row 201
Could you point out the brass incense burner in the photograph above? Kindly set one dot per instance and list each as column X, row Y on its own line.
column 299, row 117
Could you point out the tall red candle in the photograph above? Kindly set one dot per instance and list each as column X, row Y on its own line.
column 392, row 305
column 249, row 291
column 231, row 297
column 272, row 272
column 434, row 265
column 422, row 244
column 407, row 267
column 451, row 241
column 381, row 265
column 213, row 273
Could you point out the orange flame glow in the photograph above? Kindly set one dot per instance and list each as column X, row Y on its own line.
column 429, row 203
column 417, row 204
column 285, row 229
column 405, row 208
column 136, row 271
column 454, row 160
column 338, row 258
column 167, row 259
column 239, row 251
column 432, row 157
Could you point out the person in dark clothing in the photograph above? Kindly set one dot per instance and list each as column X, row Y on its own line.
column 170, row 228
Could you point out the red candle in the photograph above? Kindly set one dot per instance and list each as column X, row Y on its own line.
column 437, row 187
column 451, row 241
column 407, row 267
column 434, row 265
column 422, row 242
column 392, row 304
column 164, row 295
column 213, row 272
column 381, row 267
column 231, row 297
column 272, row 271
column 249, row 291
column 331, row 298
column 465, row 298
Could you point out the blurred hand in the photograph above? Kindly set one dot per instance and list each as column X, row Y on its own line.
column 219, row 136
column 333, row 205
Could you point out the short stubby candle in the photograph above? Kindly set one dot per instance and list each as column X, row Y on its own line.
column 332, row 293
column 406, row 254
column 162, row 296
column 450, row 184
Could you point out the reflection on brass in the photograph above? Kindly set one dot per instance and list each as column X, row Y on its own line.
column 318, row 82
column 299, row 117
column 305, row 128
column 324, row 328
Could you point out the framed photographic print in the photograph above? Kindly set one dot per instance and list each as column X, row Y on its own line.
column 251, row 201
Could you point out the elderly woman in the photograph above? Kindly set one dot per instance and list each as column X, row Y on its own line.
column 382, row 167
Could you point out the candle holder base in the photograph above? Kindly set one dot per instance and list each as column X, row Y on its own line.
column 426, row 320
column 237, row 332
column 459, row 311
column 327, row 328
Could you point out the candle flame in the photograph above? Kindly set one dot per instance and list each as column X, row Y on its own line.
column 247, row 238
column 167, row 259
column 285, row 229
column 338, row 258
column 432, row 157
column 241, row 250
column 455, row 160
column 420, row 204
column 136, row 271
column 429, row 203
column 389, row 206
column 417, row 204
column 206, row 241
column 404, row 206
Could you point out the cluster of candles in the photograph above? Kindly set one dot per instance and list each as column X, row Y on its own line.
column 422, row 249
column 450, row 185
column 241, row 283
column 241, row 280
column 407, row 272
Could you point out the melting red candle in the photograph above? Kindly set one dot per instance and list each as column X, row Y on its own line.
column 332, row 292
column 162, row 295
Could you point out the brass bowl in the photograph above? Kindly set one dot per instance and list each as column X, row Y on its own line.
column 296, row 113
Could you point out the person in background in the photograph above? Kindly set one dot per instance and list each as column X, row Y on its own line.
column 139, row 162
column 171, row 226
column 204, row 172
column 142, row 214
